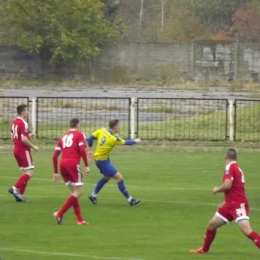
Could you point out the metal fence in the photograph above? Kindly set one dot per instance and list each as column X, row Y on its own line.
column 150, row 119
column 247, row 120
column 182, row 119
column 8, row 113
column 53, row 114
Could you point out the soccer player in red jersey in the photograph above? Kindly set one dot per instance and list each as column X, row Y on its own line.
column 22, row 152
column 235, row 206
column 73, row 147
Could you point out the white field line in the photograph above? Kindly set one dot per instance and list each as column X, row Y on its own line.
column 114, row 185
column 39, row 179
column 132, row 186
column 109, row 185
column 68, row 254
column 156, row 201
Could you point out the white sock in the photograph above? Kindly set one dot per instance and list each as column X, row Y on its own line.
column 129, row 199
column 94, row 194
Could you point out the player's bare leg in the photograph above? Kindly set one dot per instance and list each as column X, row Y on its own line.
column 108, row 178
column 246, row 229
column 121, row 186
column 99, row 186
column 215, row 223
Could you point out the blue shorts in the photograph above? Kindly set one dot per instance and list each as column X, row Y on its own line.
column 106, row 168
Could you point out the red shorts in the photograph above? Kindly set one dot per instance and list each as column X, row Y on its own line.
column 24, row 159
column 230, row 211
column 71, row 173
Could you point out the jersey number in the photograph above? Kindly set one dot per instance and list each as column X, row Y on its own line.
column 67, row 140
column 15, row 131
column 102, row 141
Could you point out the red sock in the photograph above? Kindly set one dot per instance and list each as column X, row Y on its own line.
column 209, row 237
column 255, row 238
column 22, row 181
column 68, row 204
column 22, row 189
column 76, row 207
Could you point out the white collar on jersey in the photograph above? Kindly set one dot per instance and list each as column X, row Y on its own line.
column 73, row 129
column 231, row 163
column 22, row 119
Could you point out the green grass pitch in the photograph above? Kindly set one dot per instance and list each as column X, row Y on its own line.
column 175, row 186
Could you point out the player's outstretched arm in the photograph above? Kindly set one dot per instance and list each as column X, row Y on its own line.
column 138, row 140
column 132, row 142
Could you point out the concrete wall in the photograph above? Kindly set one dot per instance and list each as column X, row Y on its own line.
column 214, row 60
column 116, row 63
column 143, row 61
column 128, row 62
column 17, row 64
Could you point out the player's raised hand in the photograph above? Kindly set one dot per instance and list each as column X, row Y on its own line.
column 35, row 148
column 138, row 140
column 90, row 155
column 56, row 177
column 87, row 171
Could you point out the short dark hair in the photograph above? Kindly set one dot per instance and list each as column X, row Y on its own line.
column 74, row 122
column 231, row 154
column 20, row 109
column 113, row 123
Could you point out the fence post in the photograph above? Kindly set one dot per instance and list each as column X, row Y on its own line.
column 231, row 119
column 33, row 115
column 132, row 119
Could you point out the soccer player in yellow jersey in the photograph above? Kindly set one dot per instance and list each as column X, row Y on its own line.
column 106, row 140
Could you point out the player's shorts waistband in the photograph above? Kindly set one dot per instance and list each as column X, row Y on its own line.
column 22, row 148
column 72, row 160
column 103, row 160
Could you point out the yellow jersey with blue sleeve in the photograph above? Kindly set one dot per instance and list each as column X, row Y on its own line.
column 106, row 140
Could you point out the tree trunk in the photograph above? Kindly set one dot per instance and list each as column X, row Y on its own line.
column 162, row 21
column 140, row 19
column 163, row 2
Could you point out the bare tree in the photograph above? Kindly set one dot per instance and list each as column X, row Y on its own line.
column 163, row 2
column 140, row 18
